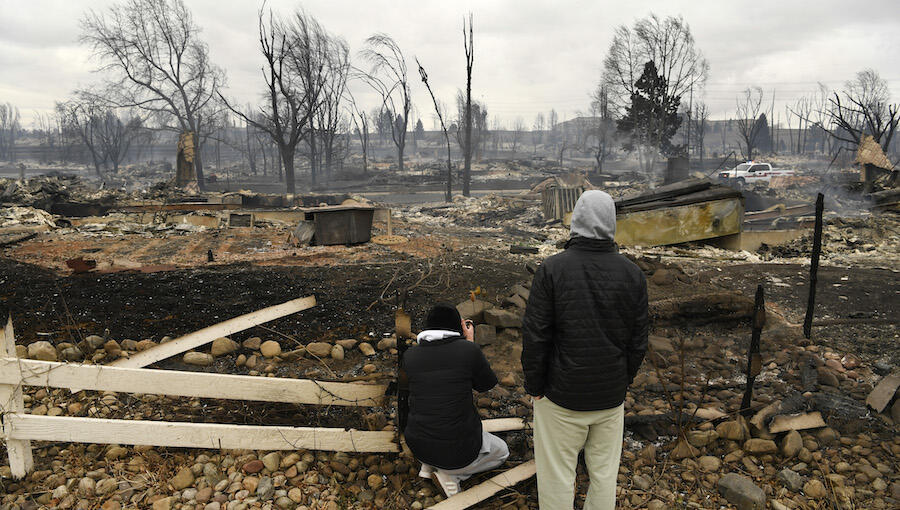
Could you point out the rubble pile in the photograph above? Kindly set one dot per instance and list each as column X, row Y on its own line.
column 25, row 216
column 488, row 212
column 871, row 239
column 44, row 191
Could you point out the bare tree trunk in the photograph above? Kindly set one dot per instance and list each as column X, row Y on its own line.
column 313, row 158
column 470, row 59
column 198, row 163
column 287, row 158
column 280, row 166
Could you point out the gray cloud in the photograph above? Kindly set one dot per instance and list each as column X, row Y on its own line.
column 530, row 56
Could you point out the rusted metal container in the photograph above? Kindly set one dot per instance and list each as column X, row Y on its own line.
column 341, row 224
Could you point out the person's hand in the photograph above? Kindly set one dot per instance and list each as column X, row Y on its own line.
column 536, row 397
column 468, row 328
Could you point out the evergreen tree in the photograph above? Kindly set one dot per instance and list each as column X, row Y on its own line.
column 764, row 137
column 419, row 133
column 651, row 119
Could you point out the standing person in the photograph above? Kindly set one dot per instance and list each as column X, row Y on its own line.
column 443, row 429
column 585, row 335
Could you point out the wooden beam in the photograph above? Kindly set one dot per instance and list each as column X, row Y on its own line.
column 20, row 458
column 804, row 421
column 196, row 435
column 506, row 424
column 488, row 488
column 884, row 392
column 187, row 384
column 208, row 334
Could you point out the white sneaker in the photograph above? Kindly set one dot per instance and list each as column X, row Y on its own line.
column 425, row 471
column 447, row 483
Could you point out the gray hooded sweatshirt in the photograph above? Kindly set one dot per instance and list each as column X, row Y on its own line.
column 594, row 216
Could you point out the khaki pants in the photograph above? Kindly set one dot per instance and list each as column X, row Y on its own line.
column 559, row 434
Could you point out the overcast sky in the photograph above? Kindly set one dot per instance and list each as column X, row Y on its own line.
column 530, row 56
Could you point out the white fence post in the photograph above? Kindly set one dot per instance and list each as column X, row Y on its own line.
column 20, row 458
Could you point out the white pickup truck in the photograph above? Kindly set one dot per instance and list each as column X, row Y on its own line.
column 752, row 172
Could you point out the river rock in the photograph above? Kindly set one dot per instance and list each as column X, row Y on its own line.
column 701, row 438
column 165, row 503
column 815, row 489
column 254, row 466
column 742, row 492
column 272, row 461
column 709, row 463
column 791, row 444
column 367, row 349
column 69, row 352
column 200, row 359
column 732, row 430
column 683, row 450
column 42, row 350
column 387, row 343
column 760, row 446
column 337, row 352
column 265, row 489
column 791, row 479
column 223, row 345
column 270, row 348
column 86, row 487
column 347, row 344
column 94, row 342
column 375, row 482
column 183, row 480
column 319, row 349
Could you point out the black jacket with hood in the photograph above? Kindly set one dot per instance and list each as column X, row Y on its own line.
column 443, row 428
column 585, row 327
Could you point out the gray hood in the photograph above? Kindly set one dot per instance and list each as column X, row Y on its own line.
column 594, row 216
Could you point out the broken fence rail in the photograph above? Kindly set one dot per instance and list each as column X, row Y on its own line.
column 19, row 429
column 210, row 333
column 488, row 488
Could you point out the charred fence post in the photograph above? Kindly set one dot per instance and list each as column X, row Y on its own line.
column 754, row 362
column 814, row 266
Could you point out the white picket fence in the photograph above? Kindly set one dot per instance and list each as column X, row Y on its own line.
column 126, row 376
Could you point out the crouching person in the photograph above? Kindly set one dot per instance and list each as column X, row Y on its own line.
column 443, row 429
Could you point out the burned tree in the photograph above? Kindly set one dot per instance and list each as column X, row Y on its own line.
column 81, row 115
column 157, row 62
column 292, row 71
column 437, row 109
column 387, row 76
column 328, row 116
column 748, row 115
column 862, row 108
column 537, row 131
column 603, row 126
column 117, row 134
column 668, row 43
column 469, row 48
column 9, row 128
column 360, row 120
column 518, row 130
column 651, row 120
column 700, row 121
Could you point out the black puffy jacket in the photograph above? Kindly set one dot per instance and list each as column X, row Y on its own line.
column 585, row 327
column 444, row 429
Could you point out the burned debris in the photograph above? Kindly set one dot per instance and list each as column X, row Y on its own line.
column 207, row 299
